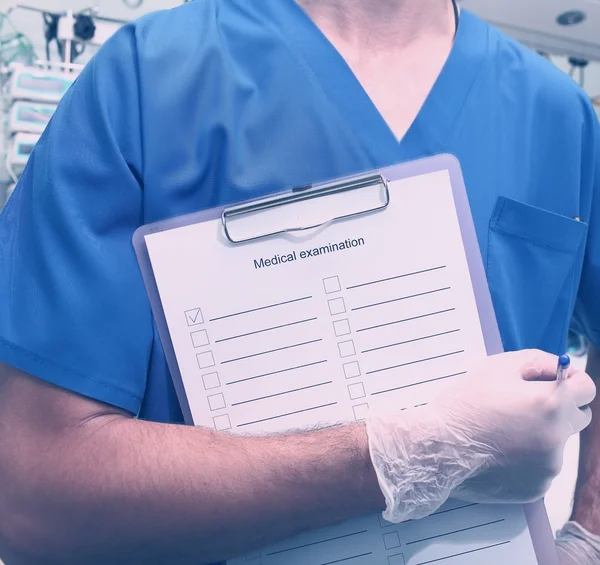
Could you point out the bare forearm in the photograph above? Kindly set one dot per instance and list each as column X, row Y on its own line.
column 586, row 510
column 122, row 491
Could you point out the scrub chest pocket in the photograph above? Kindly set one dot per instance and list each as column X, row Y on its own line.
column 534, row 263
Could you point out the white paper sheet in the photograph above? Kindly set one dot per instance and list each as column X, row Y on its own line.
column 378, row 317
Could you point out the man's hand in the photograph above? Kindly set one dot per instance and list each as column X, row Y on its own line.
column 81, row 482
column 586, row 509
column 496, row 435
column 577, row 546
column 578, row 542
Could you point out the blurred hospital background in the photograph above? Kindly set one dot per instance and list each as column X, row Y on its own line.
column 45, row 43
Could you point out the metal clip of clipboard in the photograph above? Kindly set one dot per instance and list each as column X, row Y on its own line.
column 355, row 188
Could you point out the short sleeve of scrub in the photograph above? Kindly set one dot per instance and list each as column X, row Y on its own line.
column 587, row 310
column 73, row 310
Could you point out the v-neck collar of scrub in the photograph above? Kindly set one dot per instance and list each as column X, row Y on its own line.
column 433, row 127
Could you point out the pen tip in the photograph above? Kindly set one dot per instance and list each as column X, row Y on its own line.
column 564, row 360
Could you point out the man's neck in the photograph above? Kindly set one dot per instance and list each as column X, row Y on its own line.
column 382, row 24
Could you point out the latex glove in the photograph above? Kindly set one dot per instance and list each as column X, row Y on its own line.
column 496, row 434
column 576, row 546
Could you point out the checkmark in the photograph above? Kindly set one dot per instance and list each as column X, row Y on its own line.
column 194, row 317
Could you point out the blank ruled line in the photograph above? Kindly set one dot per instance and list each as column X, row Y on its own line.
column 317, row 543
column 406, row 320
column 448, row 510
column 401, row 298
column 261, row 308
column 348, row 558
column 453, row 509
column 288, row 414
column 415, row 362
column 410, row 341
column 419, row 383
column 456, row 531
column 464, row 553
column 416, row 406
column 271, row 351
column 281, row 393
column 277, row 372
column 266, row 330
column 396, row 277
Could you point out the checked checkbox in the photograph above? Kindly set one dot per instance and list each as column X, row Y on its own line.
column 194, row 317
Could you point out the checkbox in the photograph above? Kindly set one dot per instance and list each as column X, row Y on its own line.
column 391, row 540
column 352, row 370
column 200, row 339
column 347, row 348
column 397, row 559
column 337, row 306
column 356, row 391
column 211, row 380
column 360, row 412
column 222, row 422
column 194, row 317
column 255, row 555
column 384, row 523
column 341, row 327
column 216, row 401
column 205, row 360
column 332, row 284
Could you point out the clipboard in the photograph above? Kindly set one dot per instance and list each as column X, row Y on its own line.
column 300, row 212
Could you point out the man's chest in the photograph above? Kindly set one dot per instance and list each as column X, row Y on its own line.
column 399, row 83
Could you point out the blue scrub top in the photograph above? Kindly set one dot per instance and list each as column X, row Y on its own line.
column 222, row 100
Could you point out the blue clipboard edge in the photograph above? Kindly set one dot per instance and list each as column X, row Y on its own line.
column 535, row 513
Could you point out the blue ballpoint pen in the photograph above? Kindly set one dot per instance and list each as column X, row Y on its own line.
column 562, row 370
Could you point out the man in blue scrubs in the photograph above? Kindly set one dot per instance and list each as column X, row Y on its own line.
column 216, row 102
